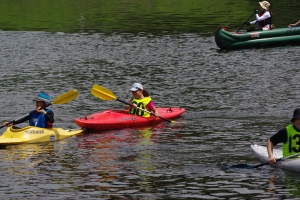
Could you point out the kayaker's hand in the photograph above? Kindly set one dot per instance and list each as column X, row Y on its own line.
column 40, row 110
column 272, row 160
column 256, row 11
column 246, row 23
column 7, row 124
column 127, row 107
column 134, row 106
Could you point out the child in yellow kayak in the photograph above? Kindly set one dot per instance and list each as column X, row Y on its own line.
column 142, row 100
column 41, row 117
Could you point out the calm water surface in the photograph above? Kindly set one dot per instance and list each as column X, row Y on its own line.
column 231, row 99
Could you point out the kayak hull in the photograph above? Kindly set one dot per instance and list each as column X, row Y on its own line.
column 32, row 134
column 292, row 164
column 119, row 119
column 276, row 37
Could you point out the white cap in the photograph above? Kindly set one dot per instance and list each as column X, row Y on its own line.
column 136, row 87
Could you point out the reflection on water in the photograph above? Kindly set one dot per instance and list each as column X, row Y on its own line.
column 155, row 17
column 135, row 163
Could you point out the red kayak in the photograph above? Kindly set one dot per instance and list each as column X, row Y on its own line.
column 118, row 119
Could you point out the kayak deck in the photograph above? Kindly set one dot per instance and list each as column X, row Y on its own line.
column 32, row 134
column 118, row 119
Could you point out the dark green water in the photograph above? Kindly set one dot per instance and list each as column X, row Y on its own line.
column 231, row 98
column 117, row 16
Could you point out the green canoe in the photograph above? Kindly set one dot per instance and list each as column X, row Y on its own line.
column 226, row 39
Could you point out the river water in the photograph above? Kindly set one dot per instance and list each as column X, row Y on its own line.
column 232, row 98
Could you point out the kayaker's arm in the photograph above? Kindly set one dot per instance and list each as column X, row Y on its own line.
column 49, row 116
column 297, row 23
column 154, row 110
column 279, row 137
column 151, row 107
column 127, row 107
column 270, row 148
column 21, row 120
column 261, row 18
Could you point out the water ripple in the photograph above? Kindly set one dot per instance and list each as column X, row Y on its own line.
column 230, row 97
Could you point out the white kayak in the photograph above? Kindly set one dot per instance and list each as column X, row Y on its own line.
column 289, row 164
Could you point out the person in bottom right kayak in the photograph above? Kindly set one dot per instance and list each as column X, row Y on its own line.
column 289, row 136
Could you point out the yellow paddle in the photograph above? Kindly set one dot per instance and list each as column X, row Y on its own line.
column 62, row 99
column 66, row 97
column 107, row 95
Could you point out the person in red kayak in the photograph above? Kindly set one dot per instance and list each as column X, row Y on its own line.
column 142, row 100
column 41, row 117
column 289, row 136
column 264, row 19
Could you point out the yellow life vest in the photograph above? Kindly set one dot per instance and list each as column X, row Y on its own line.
column 141, row 103
column 292, row 146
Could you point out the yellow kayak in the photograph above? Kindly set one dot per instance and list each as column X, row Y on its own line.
column 32, row 134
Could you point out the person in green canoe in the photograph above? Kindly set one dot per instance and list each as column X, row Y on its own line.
column 142, row 100
column 41, row 117
column 289, row 136
column 296, row 24
column 263, row 19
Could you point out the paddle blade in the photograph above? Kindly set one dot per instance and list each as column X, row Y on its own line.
column 66, row 97
column 102, row 93
column 245, row 166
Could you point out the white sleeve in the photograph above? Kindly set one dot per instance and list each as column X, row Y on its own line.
column 263, row 17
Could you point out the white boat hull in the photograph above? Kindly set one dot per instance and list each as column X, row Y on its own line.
column 289, row 164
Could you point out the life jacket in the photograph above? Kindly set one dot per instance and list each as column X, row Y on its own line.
column 267, row 21
column 292, row 145
column 38, row 119
column 141, row 103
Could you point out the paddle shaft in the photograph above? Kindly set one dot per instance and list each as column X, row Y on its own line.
column 12, row 122
column 246, row 22
column 277, row 160
column 144, row 110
